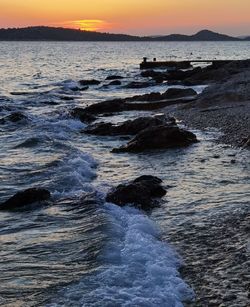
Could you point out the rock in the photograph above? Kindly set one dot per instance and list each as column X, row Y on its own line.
column 108, row 106
column 142, row 193
column 82, row 115
column 115, row 82
column 119, row 105
column 14, row 118
column 25, row 198
column 130, row 127
column 173, row 93
column 135, row 84
column 158, row 137
column 172, row 75
column 114, row 77
column 182, row 74
column 89, row 82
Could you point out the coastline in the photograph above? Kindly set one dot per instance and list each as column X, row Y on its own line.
column 205, row 215
column 216, row 253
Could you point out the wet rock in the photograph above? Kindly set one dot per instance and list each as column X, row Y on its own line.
column 173, row 93
column 82, row 115
column 114, row 77
column 109, row 106
column 26, row 197
column 22, row 93
column 158, row 137
column 173, row 75
column 142, row 193
column 89, row 82
column 77, row 89
column 115, row 82
column 130, row 127
column 118, row 105
column 14, row 118
column 135, row 84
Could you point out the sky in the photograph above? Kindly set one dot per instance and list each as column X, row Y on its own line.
column 136, row 17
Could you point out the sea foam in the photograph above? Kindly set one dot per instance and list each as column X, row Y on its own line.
column 139, row 269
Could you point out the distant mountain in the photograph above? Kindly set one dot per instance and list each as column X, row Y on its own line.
column 61, row 34
column 204, row 35
column 247, row 38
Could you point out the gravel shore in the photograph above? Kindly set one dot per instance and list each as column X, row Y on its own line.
column 216, row 254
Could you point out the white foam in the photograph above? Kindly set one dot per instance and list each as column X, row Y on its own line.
column 76, row 172
column 140, row 270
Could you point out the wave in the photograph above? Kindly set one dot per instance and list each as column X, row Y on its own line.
column 138, row 268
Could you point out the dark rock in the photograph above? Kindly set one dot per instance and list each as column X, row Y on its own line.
column 171, row 93
column 174, row 93
column 25, row 198
column 114, row 77
column 115, row 82
column 158, row 137
column 82, row 115
column 76, row 88
column 89, row 82
column 216, row 156
column 142, row 193
column 85, row 88
column 130, row 127
column 14, row 118
column 119, row 105
column 135, row 84
column 179, row 75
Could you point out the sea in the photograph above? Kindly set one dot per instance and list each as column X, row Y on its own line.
column 100, row 254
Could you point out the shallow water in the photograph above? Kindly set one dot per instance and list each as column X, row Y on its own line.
column 99, row 255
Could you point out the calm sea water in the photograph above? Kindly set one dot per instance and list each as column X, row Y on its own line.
column 100, row 255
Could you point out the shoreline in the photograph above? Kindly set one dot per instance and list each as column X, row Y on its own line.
column 216, row 254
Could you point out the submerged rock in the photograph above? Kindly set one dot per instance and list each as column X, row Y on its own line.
column 130, row 127
column 89, row 82
column 82, row 115
column 14, row 118
column 158, row 137
column 115, row 82
column 26, row 197
column 136, row 84
column 114, row 77
column 141, row 192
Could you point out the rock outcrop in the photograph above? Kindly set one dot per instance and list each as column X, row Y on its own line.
column 142, row 192
column 130, row 127
column 82, row 115
column 26, row 197
column 158, row 137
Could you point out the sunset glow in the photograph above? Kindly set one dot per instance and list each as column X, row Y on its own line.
column 85, row 25
column 132, row 17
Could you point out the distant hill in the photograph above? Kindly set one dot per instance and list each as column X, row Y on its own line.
column 59, row 34
column 62, row 34
column 204, row 35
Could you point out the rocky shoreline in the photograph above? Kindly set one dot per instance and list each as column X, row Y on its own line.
column 216, row 261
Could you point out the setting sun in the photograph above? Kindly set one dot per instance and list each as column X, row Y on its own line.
column 86, row 25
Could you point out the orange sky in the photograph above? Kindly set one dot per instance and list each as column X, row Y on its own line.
column 131, row 16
